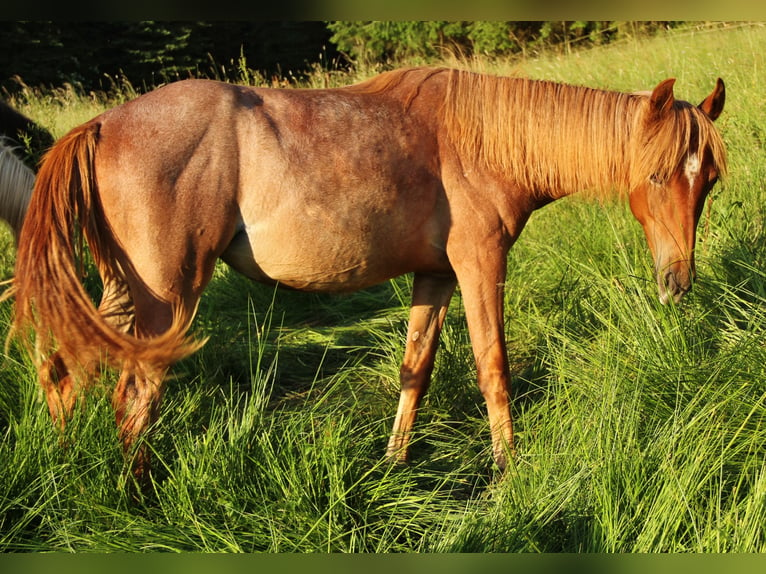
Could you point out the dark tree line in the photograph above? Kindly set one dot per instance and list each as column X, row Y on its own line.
column 93, row 55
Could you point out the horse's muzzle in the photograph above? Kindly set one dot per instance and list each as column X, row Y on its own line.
column 673, row 285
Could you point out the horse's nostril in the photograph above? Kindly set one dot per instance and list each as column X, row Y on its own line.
column 670, row 282
column 674, row 288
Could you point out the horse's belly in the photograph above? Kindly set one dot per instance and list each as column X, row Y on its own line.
column 316, row 262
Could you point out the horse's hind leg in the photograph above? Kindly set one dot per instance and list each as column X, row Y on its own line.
column 430, row 297
column 136, row 401
column 138, row 394
column 61, row 385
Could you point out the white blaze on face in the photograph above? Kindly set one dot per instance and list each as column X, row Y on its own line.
column 692, row 168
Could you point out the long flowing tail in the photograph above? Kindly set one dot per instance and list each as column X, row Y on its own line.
column 50, row 297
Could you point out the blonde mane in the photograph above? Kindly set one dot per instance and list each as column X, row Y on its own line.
column 16, row 183
column 556, row 139
column 391, row 80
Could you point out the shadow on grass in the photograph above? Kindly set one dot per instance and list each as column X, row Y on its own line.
column 740, row 280
column 353, row 343
column 314, row 336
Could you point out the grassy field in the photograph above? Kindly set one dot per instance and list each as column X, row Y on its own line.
column 641, row 427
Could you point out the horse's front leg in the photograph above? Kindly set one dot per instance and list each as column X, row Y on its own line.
column 430, row 298
column 482, row 280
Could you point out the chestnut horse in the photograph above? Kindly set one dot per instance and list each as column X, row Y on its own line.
column 428, row 171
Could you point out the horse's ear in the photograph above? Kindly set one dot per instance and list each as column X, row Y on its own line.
column 662, row 97
column 713, row 104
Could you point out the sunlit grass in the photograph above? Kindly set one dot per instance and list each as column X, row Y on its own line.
column 641, row 427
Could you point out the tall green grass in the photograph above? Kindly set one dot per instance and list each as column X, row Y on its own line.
column 641, row 427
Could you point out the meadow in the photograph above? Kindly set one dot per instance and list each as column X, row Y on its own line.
column 640, row 427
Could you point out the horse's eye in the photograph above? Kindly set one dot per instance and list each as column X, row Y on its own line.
column 655, row 179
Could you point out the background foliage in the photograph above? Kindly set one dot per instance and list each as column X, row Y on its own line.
column 91, row 54
column 96, row 55
column 378, row 42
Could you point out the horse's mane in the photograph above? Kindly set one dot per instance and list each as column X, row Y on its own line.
column 558, row 139
column 413, row 78
column 16, row 183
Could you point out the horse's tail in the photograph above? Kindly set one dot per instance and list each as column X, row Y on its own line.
column 50, row 297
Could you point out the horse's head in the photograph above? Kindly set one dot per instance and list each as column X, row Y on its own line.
column 668, row 204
